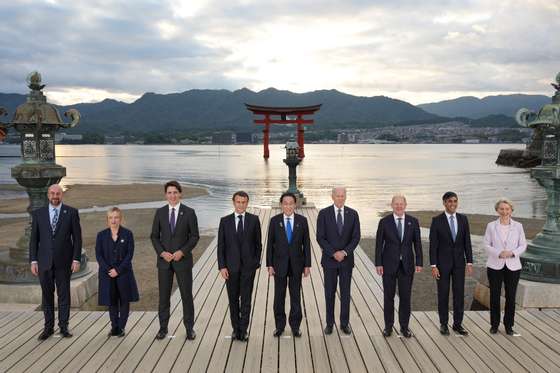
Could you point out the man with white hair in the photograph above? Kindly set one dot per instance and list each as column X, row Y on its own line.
column 338, row 234
column 396, row 260
column 55, row 249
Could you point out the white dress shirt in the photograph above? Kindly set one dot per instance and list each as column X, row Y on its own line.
column 396, row 217
column 291, row 221
column 336, row 213
column 236, row 214
column 454, row 221
column 176, row 207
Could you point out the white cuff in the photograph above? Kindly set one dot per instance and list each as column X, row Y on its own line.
column 433, row 266
column 34, row 262
column 76, row 261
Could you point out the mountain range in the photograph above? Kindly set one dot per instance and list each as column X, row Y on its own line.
column 212, row 110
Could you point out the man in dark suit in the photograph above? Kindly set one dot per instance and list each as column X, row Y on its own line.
column 288, row 256
column 174, row 236
column 239, row 256
column 338, row 234
column 398, row 234
column 55, row 250
column 450, row 248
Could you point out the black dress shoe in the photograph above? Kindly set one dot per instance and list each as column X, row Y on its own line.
column 234, row 334
column 510, row 331
column 296, row 333
column 46, row 333
column 278, row 332
column 328, row 329
column 493, row 330
column 121, row 333
column 65, row 333
column 191, row 335
column 460, row 330
column 387, row 332
column 406, row 333
column 112, row 333
column 346, row 329
column 161, row 334
column 242, row 336
column 443, row 329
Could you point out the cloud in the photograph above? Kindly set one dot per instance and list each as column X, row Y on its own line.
column 416, row 51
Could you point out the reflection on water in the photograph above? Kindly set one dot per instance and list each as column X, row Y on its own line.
column 372, row 174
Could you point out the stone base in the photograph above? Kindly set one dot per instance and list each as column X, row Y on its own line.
column 530, row 294
column 81, row 289
column 517, row 158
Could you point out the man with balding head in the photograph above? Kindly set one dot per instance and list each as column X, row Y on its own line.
column 338, row 234
column 55, row 249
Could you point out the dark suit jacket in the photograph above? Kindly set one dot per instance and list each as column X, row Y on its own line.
column 389, row 248
column 184, row 238
column 60, row 248
column 231, row 255
column 279, row 253
column 444, row 253
column 117, row 255
column 330, row 241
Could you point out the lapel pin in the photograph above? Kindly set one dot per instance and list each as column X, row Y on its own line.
column 181, row 213
column 122, row 240
column 281, row 225
column 65, row 211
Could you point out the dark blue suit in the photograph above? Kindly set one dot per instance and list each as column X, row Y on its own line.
column 331, row 241
column 398, row 259
column 54, row 253
column 119, row 291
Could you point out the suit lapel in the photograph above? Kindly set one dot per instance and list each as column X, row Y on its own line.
column 393, row 225
column 407, row 227
column 180, row 212
column 447, row 227
column 346, row 222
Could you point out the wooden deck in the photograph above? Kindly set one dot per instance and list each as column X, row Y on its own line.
column 366, row 350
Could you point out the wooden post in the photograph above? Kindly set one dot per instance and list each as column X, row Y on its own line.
column 266, row 132
column 300, row 139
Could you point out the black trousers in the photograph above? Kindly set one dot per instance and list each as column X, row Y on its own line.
column 293, row 281
column 118, row 310
column 455, row 278
column 332, row 275
column 59, row 277
column 390, row 282
column 184, row 281
column 510, row 280
column 240, row 289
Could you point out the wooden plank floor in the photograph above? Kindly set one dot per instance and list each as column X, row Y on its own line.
column 537, row 349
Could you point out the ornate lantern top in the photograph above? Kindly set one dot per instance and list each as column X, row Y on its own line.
column 292, row 149
column 547, row 117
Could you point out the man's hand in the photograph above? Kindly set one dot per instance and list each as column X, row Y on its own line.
column 339, row 255
column 225, row 274
column 469, row 269
column 35, row 269
column 306, row 271
column 418, row 269
column 379, row 270
column 435, row 273
column 75, row 267
column 167, row 256
column 178, row 255
column 271, row 271
column 113, row 273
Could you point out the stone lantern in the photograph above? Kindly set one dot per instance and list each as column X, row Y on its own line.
column 541, row 261
column 292, row 161
column 37, row 122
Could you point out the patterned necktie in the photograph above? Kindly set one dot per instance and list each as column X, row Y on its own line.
column 289, row 230
column 452, row 225
column 399, row 228
column 240, row 228
column 54, row 220
column 172, row 220
column 339, row 224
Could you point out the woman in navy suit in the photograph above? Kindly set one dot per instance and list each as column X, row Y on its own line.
column 114, row 249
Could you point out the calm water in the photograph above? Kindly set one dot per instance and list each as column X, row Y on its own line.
column 372, row 173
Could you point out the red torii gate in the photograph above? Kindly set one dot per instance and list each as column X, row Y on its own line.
column 283, row 113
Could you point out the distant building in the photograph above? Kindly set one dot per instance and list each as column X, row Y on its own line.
column 243, row 138
column 346, row 138
column 64, row 138
column 224, row 138
column 114, row 140
column 471, row 141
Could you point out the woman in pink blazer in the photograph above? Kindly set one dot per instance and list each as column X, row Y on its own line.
column 504, row 242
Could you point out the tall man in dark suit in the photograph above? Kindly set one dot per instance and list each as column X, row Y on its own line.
column 239, row 256
column 55, row 250
column 450, row 248
column 288, row 256
column 398, row 234
column 338, row 234
column 174, row 236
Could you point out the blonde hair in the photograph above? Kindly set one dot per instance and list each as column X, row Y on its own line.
column 118, row 211
column 503, row 200
column 397, row 196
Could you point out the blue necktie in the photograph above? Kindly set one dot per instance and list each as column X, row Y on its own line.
column 339, row 224
column 289, row 230
column 54, row 220
column 452, row 225
column 399, row 228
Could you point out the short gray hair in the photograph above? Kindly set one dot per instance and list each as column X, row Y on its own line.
column 397, row 196
column 503, row 200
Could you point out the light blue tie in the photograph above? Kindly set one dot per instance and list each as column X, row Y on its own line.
column 289, row 230
column 54, row 220
column 452, row 225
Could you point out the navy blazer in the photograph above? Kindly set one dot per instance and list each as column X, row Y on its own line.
column 231, row 255
column 389, row 248
column 117, row 255
column 444, row 253
column 184, row 237
column 59, row 248
column 329, row 240
column 279, row 253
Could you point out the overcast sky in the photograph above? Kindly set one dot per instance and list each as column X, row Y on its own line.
column 417, row 51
